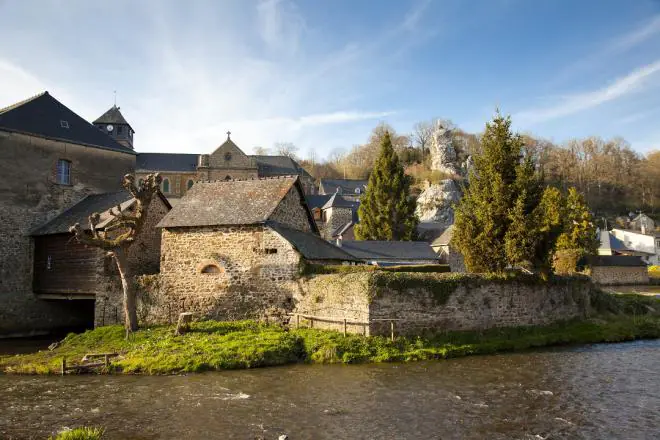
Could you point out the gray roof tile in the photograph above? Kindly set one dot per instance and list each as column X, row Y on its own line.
column 399, row 250
column 45, row 116
column 346, row 186
column 232, row 202
column 311, row 246
column 182, row 162
column 112, row 116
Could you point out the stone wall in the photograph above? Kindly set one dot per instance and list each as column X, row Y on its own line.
column 291, row 212
column 221, row 272
column 610, row 275
column 421, row 301
column 143, row 257
column 30, row 196
column 335, row 218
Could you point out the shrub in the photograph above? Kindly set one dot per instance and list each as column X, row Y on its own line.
column 84, row 433
column 565, row 261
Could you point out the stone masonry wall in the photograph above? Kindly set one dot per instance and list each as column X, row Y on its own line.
column 418, row 302
column 221, row 273
column 335, row 218
column 290, row 211
column 30, row 196
column 619, row 275
column 144, row 258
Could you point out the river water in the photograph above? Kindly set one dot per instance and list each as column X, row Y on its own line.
column 604, row 391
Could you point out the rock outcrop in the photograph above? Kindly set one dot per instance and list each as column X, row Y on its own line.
column 443, row 153
column 435, row 203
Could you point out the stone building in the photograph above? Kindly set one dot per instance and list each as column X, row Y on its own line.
column 227, row 162
column 350, row 189
column 234, row 249
column 335, row 216
column 618, row 269
column 50, row 159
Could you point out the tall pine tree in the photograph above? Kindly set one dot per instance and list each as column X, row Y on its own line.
column 386, row 210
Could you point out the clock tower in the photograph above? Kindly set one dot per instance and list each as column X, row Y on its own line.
column 114, row 125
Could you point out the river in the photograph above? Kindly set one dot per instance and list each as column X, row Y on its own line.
column 603, row 391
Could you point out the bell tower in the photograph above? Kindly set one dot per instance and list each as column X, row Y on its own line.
column 114, row 125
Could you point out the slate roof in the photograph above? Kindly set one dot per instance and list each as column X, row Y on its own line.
column 445, row 237
column 615, row 260
column 231, row 202
column 311, row 246
column 112, row 116
column 80, row 212
column 346, row 186
column 337, row 201
column 166, row 162
column 316, row 200
column 389, row 250
column 609, row 241
column 269, row 166
column 44, row 116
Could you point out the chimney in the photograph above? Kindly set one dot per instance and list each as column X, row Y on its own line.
column 643, row 225
column 339, row 241
column 203, row 161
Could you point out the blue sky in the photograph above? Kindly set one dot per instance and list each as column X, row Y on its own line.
column 322, row 74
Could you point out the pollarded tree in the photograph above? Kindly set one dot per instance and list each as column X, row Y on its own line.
column 117, row 238
column 386, row 210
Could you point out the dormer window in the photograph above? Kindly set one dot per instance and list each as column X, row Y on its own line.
column 64, row 124
column 63, row 172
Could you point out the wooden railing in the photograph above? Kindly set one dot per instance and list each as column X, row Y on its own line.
column 346, row 322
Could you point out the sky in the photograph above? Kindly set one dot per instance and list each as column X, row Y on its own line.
column 323, row 74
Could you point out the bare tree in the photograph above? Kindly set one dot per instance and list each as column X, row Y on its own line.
column 117, row 238
column 261, row 151
column 422, row 133
column 286, row 149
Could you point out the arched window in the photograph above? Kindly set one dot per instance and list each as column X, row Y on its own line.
column 228, row 178
column 211, row 269
column 166, row 186
column 64, row 172
column 190, row 183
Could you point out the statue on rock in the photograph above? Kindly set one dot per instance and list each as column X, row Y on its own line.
column 443, row 153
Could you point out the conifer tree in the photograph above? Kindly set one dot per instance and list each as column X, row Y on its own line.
column 579, row 227
column 386, row 210
column 496, row 192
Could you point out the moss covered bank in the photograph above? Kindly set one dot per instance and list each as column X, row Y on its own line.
column 213, row 345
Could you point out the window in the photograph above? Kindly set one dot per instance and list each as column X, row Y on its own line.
column 177, row 186
column 227, row 156
column 211, row 269
column 190, row 184
column 120, row 129
column 63, row 172
column 166, row 185
column 228, row 178
column 64, row 124
column 317, row 214
column 270, row 251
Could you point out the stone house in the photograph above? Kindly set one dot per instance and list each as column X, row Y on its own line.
column 234, row 249
column 350, row 189
column 227, row 162
column 65, row 269
column 50, row 159
column 335, row 216
column 618, row 269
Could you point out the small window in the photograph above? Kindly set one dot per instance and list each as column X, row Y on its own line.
column 228, row 178
column 211, row 269
column 270, row 251
column 227, row 156
column 317, row 214
column 63, row 172
column 190, row 184
column 120, row 129
column 49, row 263
column 64, row 124
column 166, row 185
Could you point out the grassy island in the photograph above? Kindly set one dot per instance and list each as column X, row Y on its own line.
column 213, row 345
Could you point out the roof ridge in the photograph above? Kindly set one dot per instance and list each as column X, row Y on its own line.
column 20, row 103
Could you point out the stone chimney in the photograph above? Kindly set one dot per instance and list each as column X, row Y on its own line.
column 642, row 224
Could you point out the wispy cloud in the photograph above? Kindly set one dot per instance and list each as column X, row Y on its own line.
column 280, row 25
column 631, row 83
column 413, row 17
column 637, row 36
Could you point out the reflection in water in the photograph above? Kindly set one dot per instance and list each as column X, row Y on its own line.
column 600, row 391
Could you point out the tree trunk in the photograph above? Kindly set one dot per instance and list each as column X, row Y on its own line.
column 130, row 308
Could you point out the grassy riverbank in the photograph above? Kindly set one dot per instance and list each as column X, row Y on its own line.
column 212, row 345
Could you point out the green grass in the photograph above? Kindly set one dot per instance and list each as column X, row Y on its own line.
column 84, row 433
column 212, row 345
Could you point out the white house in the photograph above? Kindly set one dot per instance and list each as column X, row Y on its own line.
column 645, row 244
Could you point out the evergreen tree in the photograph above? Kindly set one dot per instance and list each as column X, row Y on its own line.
column 579, row 227
column 496, row 192
column 386, row 210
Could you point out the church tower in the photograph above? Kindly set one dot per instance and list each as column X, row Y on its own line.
column 113, row 123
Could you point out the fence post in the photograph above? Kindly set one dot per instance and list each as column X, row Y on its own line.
column 311, row 321
column 297, row 320
column 392, row 329
column 106, row 360
column 344, row 326
column 63, row 366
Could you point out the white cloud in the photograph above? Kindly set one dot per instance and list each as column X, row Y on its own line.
column 637, row 36
column 280, row 25
column 631, row 83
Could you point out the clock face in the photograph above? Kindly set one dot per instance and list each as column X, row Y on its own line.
column 109, row 128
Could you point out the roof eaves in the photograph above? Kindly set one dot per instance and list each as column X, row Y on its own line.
column 120, row 148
